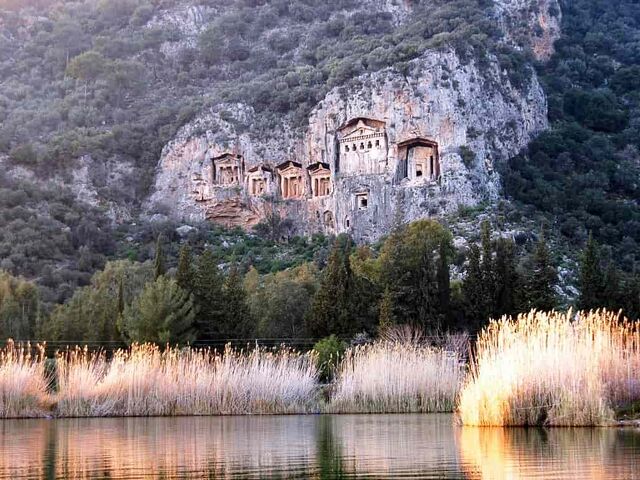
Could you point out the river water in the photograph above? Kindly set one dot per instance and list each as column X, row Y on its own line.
column 314, row 447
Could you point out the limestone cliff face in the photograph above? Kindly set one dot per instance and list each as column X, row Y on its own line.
column 394, row 147
column 535, row 23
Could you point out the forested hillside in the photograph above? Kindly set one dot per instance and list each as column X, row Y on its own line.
column 90, row 94
column 584, row 173
column 91, row 91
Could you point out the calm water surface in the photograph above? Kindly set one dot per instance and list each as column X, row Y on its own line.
column 315, row 447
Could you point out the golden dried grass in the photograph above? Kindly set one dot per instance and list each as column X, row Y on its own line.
column 145, row 381
column 23, row 381
column 552, row 369
column 395, row 377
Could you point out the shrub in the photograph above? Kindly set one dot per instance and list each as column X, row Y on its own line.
column 329, row 352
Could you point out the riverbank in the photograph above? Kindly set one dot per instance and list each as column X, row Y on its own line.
column 540, row 369
column 147, row 381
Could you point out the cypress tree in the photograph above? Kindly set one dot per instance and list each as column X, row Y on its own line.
column 330, row 311
column 611, row 289
column 121, row 303
column 506, row 278
column 487, row 268
column 590, row 282
column 474, row 291
column 631, row 297
column 540, row 292
column 238, row 322
column 428, row 295
column 184, row 274
column 207, row 291
column 159, row 263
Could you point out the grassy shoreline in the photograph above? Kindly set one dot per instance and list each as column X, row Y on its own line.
column 540, row 369
column 147, row 381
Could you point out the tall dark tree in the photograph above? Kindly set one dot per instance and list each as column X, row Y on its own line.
column 238, row 322
column 590, row 282
column 159, row 262
column 488, row 268
column 474, row 291
column 209, row 299
column 444, row 280
column 185, row 274
column 506, row 278
column 330, row 311
column 612, row 297
column 412, row 268
column 631, row 297
column 540, row 289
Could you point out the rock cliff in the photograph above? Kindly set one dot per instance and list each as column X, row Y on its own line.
column 444, row 125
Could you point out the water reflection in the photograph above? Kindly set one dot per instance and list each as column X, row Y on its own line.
column 316, row 447
column 568, row 453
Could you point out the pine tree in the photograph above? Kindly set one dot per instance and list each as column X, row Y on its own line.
column 185, row 274
column 207, row 291
column 159, row 267
column 238, row 321
column 540, row 292
column 590, row 282
column 162, row 313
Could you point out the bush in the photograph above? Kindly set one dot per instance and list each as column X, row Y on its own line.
column 329, row 353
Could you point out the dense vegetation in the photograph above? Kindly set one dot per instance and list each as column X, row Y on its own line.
column 584, row 171
column 355, row 292
column 95, row 77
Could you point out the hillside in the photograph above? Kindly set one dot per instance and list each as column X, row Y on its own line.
column 112, row 111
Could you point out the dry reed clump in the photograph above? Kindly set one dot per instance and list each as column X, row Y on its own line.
column 394, row 377
column 552, row 369
column 23, row 381
column 145, row 381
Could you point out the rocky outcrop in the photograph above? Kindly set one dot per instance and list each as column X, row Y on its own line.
column 468, row 119
column 534, row 23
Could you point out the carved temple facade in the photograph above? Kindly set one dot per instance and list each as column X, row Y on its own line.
column 346, row 183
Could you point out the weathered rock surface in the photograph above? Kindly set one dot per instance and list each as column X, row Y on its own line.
column 531, row 22
column 468, row 112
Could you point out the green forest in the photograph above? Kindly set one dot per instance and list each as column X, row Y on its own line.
column 89, row 78
column 351, row 292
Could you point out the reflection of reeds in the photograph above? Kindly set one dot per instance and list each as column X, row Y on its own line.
column 147, row 381
column 552, row 369
column 515, row 453
column 23, row 382
column 395, row 378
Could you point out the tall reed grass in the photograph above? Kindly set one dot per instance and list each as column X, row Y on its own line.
column 552, row 369
column 23, row 381
column 144, row 381
column 395, row 377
